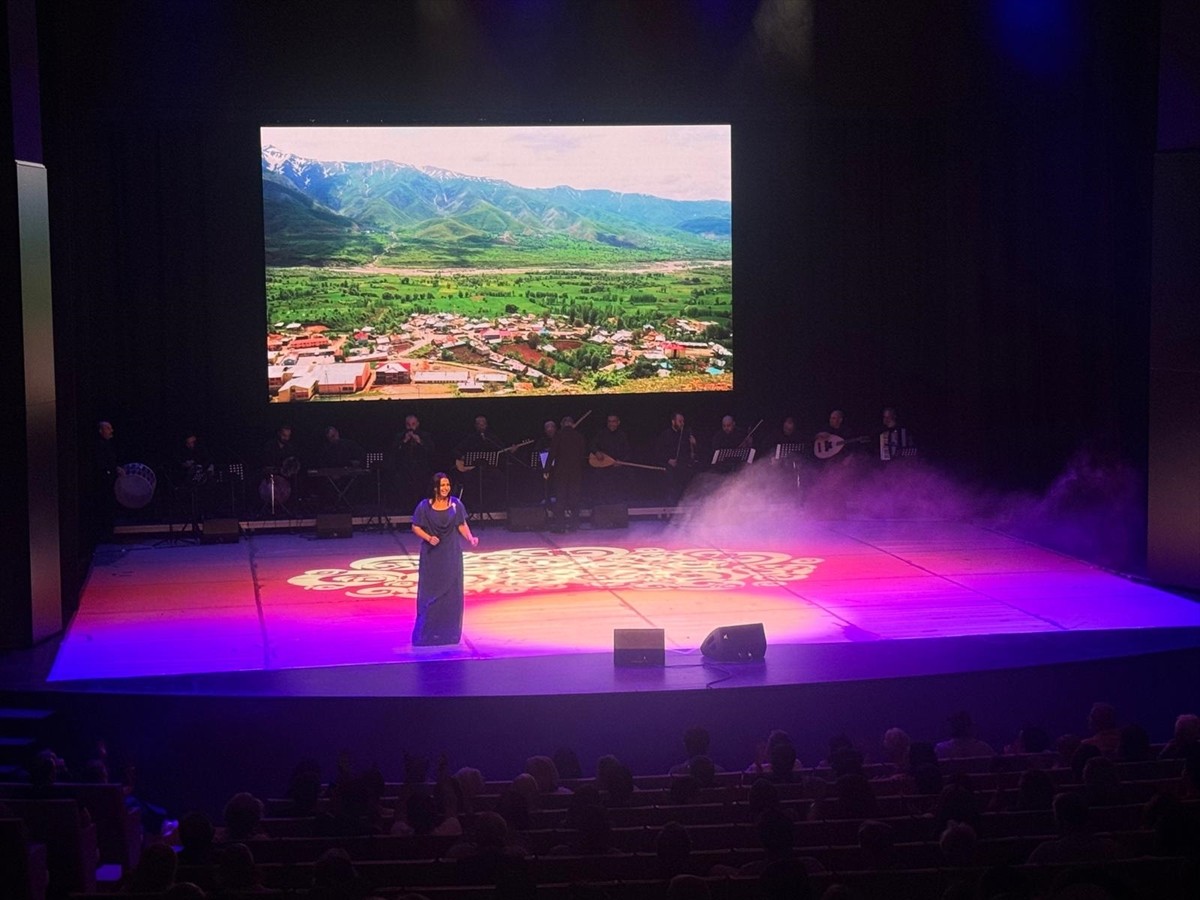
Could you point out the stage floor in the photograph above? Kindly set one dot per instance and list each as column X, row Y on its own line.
column 838, row 599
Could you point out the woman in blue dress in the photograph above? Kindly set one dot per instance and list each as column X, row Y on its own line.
column 440, row 576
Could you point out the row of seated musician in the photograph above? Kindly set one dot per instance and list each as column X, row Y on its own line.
column 324, row 477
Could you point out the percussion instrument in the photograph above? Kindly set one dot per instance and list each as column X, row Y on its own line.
column 135, row 487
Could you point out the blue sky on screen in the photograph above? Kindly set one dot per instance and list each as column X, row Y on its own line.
column 679, row 162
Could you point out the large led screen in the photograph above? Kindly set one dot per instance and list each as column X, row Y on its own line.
column 424, row 262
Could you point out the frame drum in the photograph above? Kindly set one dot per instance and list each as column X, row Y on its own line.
column 135, row 488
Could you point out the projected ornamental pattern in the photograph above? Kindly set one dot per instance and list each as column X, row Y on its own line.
column 416, row 263
column 539, row 569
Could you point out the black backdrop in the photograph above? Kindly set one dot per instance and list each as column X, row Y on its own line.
column 925, row 214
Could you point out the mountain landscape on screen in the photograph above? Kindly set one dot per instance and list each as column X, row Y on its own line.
column 385, row 213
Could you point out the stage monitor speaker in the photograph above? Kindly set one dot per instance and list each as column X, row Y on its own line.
column 610, row 515
column 641, row 647
column 220, row 531
column 526, row 518
column 335, row 525
column 736, row 643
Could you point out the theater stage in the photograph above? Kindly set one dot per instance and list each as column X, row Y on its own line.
column 840, row 600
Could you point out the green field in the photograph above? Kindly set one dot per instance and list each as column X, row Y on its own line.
column 344, row 301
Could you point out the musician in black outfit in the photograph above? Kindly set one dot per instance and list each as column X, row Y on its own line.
column 341, row 453
column 279, row 453
column 565, row 465
column 611, row 484
column 486, row 482
column 193, row 462
column 549, row 430
column 784, row 435
column 675, row 448
column 280, row 471
column 105, row 471
column 412, row 462
column 728, row 437
column 612, row 440
column 189, row 474
column 836, row 430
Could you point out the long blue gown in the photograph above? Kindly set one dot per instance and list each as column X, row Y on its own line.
column 440, row 576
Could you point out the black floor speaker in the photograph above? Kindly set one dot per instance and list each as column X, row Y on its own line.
column 335, row 525
column 526, row 518
column 220, row 531
column 639, row 647
column 736, row 643
column 610, row 515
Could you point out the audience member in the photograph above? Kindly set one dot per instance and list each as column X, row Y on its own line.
column 957, row 803
column 1084, row 753
column 492, row 857
column 1032, row 743
column 243, row 813
column 424, row 815
column 1105, row 733
column 567, row 762
column 763, row 795
column 844, row 758
column 526, row 785
column 616, row 782
column 962, row 742
column 896, row 743
column 335, row 878
column 513, row 805
column 703, row 770
column 471, row 784
column 491, row 835
column 781, row 767
column 196, row 835
column 762, row 757
column 355, row 807
column 1101, row 782
column 957, row 844
column 673, row 850
column 696, row 742
column 1187, row 734
column 304, row 789
column 1076, row 842
column 1190, row 779
column 545, row 773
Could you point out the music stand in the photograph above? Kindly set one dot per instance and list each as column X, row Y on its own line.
column 377, row 517
column 236, row 475
column 789, row 456
column 733, row 456
column 478, row 459
column 176, row 538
